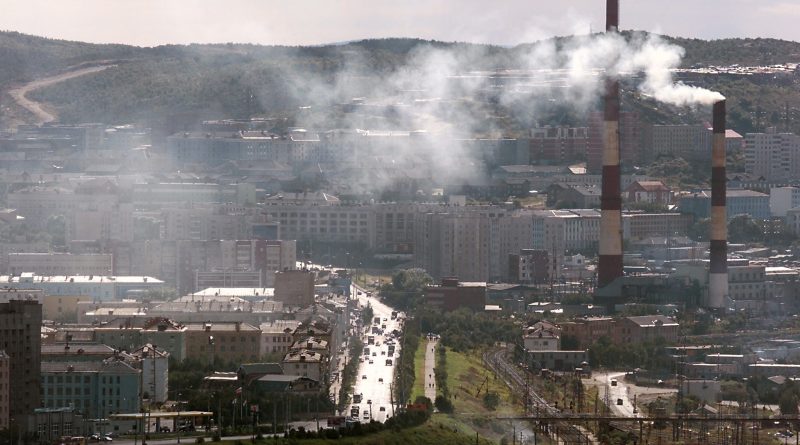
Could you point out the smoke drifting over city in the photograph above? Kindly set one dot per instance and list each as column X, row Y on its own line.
column 448, row 92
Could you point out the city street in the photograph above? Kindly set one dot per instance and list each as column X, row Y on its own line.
column 376, row 368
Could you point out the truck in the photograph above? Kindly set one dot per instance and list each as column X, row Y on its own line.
column 377, row 320
column 391, row 349
column 357, row 398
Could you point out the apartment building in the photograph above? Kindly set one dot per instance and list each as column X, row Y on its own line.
column 153, row 362
column 232, row 342
column 295, row 287
column 20, row 335
column 637, row 226
column 96, row 287
column 276, row 336
column 453, row 294
column 326, row 222
column 652, row 192
column 5, row 390
column 60, row 263
column 739, row 202
column 95, row 389
column 747, row 283
column 783, row 199
column 772, row 155
column 629, row 135
column 557, row 145
column 686, row 141
column 304, row 363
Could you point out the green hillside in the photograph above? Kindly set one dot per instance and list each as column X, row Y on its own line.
column 238, row 80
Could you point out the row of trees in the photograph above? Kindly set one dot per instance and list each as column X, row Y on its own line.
column 745, row 229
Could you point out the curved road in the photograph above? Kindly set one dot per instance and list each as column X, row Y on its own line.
column 42, row 116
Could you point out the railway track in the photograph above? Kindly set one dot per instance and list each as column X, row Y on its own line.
column 561, row 431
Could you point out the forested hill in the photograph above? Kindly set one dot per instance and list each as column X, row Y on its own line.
column 240, row 80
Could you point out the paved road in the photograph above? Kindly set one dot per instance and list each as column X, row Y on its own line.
column 619, row 392
column 430, row 363
column 376, row 368
column 36, row 108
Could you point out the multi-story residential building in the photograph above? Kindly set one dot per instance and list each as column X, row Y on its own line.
column 20, row 335
column 646, row 328
column 471, row 243
column 453, row 294
column 557, row 145
column 637, row 226
column 747, row 282
column 22, row 247
column 131, row 333
column 96, row 389
column 225, row 221
column 739, row 201
column 5, row 390
column 295, row 287
column 573, row 195
column 233, row 342
column 327, row 221
column 653, row 192
column 686, row 141
column 97, row 287
column 782, row 199
column 177, row 193
column 60, row 263
column 588, row 330
column 530, row 266
column 304, row 363
column 153, row 362
column 276, row 336
column 629, row 135
column 772, row 155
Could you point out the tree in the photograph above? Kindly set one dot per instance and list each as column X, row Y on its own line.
column 406, row 288
column 700, row 230
column 743, row 229
column 443, row 404
column 491, row 400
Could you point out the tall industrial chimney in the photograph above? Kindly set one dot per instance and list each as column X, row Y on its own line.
column 718, row 268
column 610, row 249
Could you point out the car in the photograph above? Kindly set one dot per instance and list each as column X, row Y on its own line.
column 369, row 402
column 384, row 318
column 112, row 434
column 371, row 362
column 383, row 352
column 164, row 429
column 364, row 377
column 613, row 382
column 374, row 354
column 619, row 401
column 186, row 428
column 380, row 380
column 383, row 408
column 366, row 414
column 106, row 439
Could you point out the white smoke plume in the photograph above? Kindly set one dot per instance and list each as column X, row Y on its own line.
column 444, row 90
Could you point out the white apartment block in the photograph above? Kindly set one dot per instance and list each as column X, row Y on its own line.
column 782, row 199
column 775, row 156
column 60, row 263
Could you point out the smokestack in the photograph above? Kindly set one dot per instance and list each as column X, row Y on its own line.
column 610, row 249
column 718, row 270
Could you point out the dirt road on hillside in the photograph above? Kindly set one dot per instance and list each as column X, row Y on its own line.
column 36, row 108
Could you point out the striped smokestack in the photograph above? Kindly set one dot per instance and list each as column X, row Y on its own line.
column 610, row 249
column 718, row 270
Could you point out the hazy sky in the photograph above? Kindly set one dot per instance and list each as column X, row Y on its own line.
column 300, row 22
